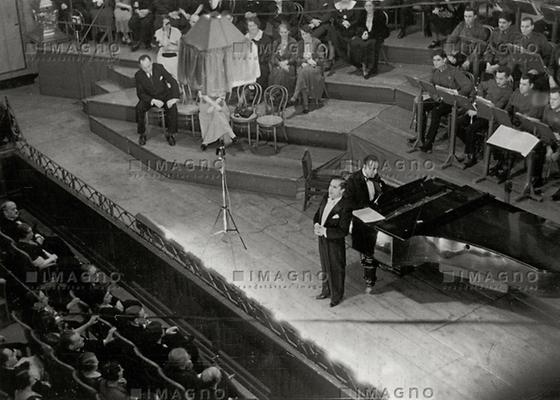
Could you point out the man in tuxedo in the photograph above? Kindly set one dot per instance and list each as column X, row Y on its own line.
column 363, row 190
column 332, row 221
column 156, row 87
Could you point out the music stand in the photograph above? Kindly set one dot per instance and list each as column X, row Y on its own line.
column 419, row 110
column 452, row 97
column 522, row 143
column 430, row 89
column 524, row 58
column 499, row 117
column 552, row 14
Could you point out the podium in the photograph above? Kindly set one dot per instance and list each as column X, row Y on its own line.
column 522, row 143
column 455, row 100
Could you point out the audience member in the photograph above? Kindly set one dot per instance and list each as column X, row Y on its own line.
column 39, row 257
column 180, row 369
column 123, row 14
column 283, row 11
column 263, row 42
column 442, row 21
column 283, row 60
column 532, row 50
column 24, row 382
column 141, row 24
column 73, row 344
column 168, row 39
column 310, row 80
column 113, row 384
column 344, row 18
column 101, row 16
column 370, row 31
column 318, row 17
column 87, row 370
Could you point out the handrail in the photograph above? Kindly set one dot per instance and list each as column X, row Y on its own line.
column 228, row 291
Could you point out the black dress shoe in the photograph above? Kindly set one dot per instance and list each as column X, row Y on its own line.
column 203, row 147
column 306, row 111
column 171, row 140
column 135, row 46
column 471, row 161
column 142, row 140
column 322, row 296
column 434, row 44
column 335, row 303
column 426, row 148
column 556, row 196
column 401, row 34
column 411, row 140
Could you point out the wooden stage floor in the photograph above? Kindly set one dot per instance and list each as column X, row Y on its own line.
column 412, row 333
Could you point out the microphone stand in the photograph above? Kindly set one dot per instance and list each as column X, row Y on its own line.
column 225, row 212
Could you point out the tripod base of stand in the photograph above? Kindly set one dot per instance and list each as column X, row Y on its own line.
column 228, row 218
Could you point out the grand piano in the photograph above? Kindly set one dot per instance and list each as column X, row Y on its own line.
column 470, row 235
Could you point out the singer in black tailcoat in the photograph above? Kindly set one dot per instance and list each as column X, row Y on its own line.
column 332, row 222
column 360, row 196
column 154, row 83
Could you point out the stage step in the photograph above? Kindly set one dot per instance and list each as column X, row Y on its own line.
column 124, row 76
column 257, row 170
column 106, row 86
column 326, row 126
column 388, row 87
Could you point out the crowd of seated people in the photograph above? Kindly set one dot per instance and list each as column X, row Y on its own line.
column 85, row 323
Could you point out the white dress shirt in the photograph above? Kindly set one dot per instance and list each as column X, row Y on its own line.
column 328, row 208
column 370, row 188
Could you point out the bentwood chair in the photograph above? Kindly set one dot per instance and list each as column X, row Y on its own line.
column 249, row 96
column 275, row 100
column 189, row 108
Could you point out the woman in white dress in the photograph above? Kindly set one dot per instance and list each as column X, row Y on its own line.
column 214, row 121
column 168, row 38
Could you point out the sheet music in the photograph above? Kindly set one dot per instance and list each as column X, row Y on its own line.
column 513, row 140
column 368, row 215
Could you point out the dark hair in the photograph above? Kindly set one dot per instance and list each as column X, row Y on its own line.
column 468, row 8
column 22, row 380
column 504, row 70
column 256, row 20
column 507, row 16
column 3, row 356
column 369, row 159
column 527, row 77
column 22, row 230
column 342, row 182
column 528, row 19
column 144, row 57
column 111, row 371
column 555, row 90
column 439, row 53
column 305, row 28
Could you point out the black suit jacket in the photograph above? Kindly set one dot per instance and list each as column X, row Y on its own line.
column 338, row 220
column 162, row 86
column 357, row 191
column 379, row 29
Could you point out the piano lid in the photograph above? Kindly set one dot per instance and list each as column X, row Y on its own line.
column 435, row 208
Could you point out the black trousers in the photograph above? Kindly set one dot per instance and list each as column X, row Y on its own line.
column 363, row 240
column 332, row 254
column 171, row 116
column 142, row 28
column 438, row 110
column 366, row 52
column 468, row 131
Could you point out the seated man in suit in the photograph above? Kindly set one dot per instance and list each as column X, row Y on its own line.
column 156, row 87
column 363, row 190
column 332, row 222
